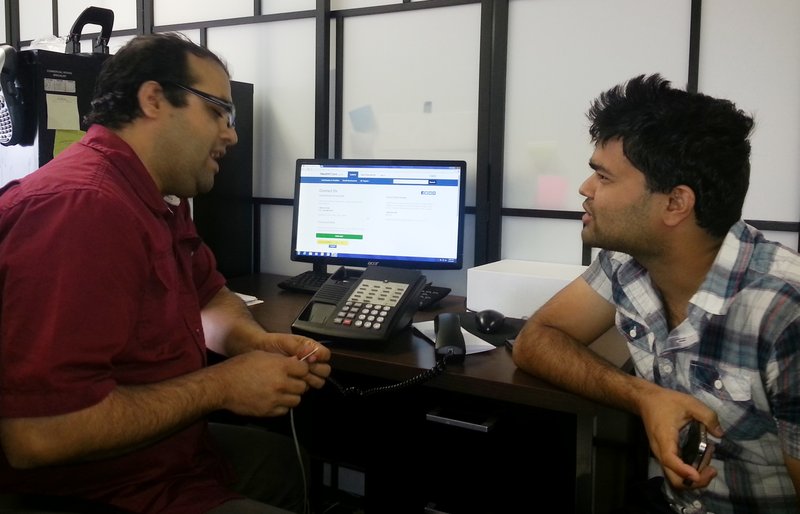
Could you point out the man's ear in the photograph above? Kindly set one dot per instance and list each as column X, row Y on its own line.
column 151, row 98
column 680, row 205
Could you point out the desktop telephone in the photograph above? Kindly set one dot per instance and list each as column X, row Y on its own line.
column 12, row 103
column 368, row 307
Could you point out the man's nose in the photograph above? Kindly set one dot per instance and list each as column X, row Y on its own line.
column 587, row 188
column 230, row 136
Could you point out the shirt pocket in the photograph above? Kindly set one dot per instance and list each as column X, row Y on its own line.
column 728, row 392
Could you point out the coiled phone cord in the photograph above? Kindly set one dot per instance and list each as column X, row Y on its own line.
column 418, row 379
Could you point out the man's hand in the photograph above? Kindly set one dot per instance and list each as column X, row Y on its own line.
column 314, row 354
column 552, row 345
column 230, row 330
column 259, row 383
column 664, row 412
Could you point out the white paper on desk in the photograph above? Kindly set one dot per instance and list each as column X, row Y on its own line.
column 472, row 343
column 249, row 300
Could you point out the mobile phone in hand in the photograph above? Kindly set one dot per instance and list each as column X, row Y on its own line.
column 696, row 449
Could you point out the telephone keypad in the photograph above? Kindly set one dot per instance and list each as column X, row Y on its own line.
column 370, row 305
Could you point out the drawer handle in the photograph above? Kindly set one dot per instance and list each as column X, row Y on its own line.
column 484, row 426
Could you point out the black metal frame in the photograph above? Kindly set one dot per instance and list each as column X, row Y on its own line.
column 488, row 209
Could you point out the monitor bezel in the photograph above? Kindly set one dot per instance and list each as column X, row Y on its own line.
column 322, row 262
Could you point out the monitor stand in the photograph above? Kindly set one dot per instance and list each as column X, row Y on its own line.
column 310, row 281
column 342, row 273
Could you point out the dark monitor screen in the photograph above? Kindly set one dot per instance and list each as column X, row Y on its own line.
column 362, row 212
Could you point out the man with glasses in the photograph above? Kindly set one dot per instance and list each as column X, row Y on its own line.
column 110, row 300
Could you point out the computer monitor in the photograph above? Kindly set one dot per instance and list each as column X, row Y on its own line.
column 370, row 212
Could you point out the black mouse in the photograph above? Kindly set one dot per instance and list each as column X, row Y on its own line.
column 489, row 321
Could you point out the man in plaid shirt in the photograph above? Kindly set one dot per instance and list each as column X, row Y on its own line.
column 710, row 309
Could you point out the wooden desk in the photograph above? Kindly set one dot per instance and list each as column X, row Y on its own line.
column 491, row 375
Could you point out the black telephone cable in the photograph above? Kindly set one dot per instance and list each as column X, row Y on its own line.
column 418, row 379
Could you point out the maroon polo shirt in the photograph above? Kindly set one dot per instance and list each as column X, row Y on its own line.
column 102, row 282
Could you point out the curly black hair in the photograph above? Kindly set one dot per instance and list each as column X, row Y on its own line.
column 678, row 138
column 159, row 57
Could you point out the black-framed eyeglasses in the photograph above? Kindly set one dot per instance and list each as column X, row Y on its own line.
column 226, row 106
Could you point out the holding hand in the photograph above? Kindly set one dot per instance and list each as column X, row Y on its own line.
column 263, row 384
column 302, row 348
column 664, row 413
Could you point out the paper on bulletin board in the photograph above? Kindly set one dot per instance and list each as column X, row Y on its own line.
column 62, row 112
column 64, row 138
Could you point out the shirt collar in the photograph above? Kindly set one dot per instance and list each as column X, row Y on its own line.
column 125, row 161
column 721, row 282
column 727, row 271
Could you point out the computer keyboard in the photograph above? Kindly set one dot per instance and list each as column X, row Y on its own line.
column 306, row 282
column 310, row 282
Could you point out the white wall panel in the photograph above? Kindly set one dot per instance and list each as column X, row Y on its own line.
column 114, row 44
column 561, row 55
column 283, row 95
column 352, row 4
column 3, row 23
column 16, row 162
column 410, row 91
column 280, row 6
column 788, row 239
column 540, row 239
column 69, row 10
column 750, row 54
column 169, row 12
column 194, row 35
column 35, row 19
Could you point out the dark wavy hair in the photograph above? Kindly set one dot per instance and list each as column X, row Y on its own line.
column 680, row 138
column 159, row 57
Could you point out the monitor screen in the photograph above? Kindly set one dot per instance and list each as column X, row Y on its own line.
column 365, row 212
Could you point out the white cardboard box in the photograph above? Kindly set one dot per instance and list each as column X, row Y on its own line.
column 517, row 288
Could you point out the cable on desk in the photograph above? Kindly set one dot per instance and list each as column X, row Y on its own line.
column 418, row 379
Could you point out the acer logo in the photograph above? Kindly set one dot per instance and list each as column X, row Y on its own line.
column 373, row 263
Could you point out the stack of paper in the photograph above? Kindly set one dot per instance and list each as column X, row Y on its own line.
column 249, row 300
column 472, row 343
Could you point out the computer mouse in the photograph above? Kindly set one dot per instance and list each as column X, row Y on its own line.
column 489, row 321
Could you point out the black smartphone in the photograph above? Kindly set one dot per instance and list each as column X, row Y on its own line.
column 510, row 343
column 694, row 444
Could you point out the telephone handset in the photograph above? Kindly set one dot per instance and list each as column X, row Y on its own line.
column 12, row 103
column 369, row 307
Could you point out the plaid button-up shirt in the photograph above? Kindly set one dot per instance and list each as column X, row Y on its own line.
column 738, row 351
